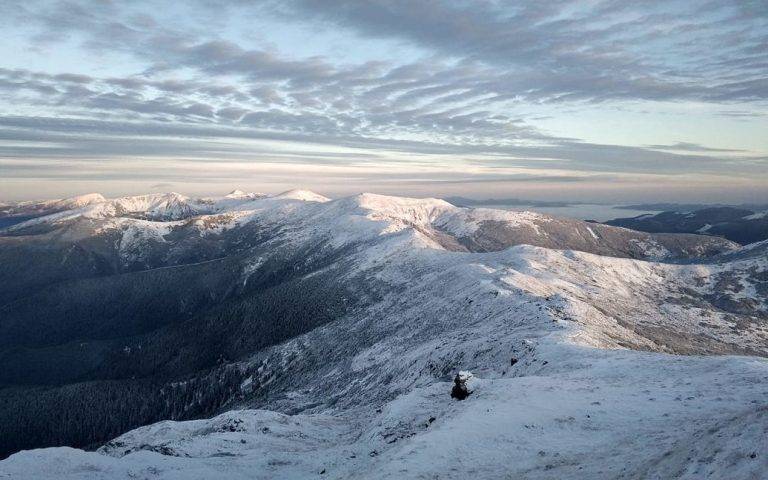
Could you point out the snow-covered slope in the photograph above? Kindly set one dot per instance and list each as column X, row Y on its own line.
column 582, row 363
column 623, row 415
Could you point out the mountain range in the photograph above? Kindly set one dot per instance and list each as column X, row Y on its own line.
column 740, row 225
column 293, row 336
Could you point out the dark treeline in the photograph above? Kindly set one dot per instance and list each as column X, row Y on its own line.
column 83, row 361
column 87, row 414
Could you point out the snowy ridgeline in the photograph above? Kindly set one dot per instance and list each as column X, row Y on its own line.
column 575, row 358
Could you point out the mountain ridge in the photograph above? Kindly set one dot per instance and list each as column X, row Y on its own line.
column 741, row 225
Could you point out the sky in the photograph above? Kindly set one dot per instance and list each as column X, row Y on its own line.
column 599, row 101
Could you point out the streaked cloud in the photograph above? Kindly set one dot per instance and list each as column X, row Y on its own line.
column 482, row 90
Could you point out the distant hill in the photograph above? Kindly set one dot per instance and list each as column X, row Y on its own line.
column 689, row 207
column 740, row 225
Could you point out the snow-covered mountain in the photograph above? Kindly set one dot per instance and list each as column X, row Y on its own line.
column 156, row 206
column 323, row 336
column 466, row 229
column 12, row 213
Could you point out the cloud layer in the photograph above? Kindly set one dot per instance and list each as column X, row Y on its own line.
column 446, row 95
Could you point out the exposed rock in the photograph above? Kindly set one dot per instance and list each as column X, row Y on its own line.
column 460, row 390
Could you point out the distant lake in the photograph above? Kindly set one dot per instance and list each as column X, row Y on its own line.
column 581, row 211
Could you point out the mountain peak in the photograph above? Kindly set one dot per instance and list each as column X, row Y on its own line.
column 82, row 200
column 236, row 194
column 376, row 201
column 412, row 210
column 88, row 197
column 305, row 195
